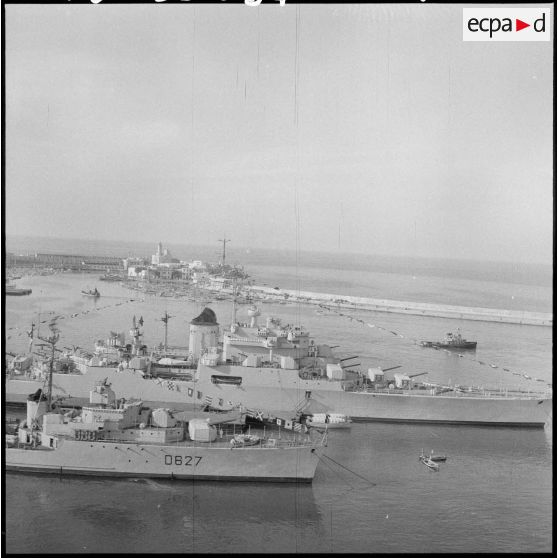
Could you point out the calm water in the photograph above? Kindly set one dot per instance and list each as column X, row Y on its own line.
column 494, row 494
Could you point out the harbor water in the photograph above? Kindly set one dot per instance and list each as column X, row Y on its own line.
column 370, row 493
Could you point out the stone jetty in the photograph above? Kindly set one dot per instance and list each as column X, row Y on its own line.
column 405, row 307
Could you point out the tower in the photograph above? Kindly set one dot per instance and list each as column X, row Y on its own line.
column 204, row 333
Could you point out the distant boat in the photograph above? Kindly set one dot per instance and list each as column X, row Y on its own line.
column 430, row 464
column 432, row 457
column 110, row 277
column 428, row 461
column 451, row 341
column 91, row 292
column 12, row 290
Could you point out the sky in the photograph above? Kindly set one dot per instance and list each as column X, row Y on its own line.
column 365, row 128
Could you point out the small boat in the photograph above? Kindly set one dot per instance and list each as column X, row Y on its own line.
column 12, row 290
column 328, row 420
column 120, row 438
column 451, row 341
column 432, row 460
column 110, row 277
column 240, row 440
column 91, row 292
column 430, row 464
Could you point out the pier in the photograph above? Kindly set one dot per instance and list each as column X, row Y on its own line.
column 407, row 307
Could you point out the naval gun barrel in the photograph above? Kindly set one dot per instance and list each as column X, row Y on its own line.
column 391, row 368
column 348, row 358
column 419, row 374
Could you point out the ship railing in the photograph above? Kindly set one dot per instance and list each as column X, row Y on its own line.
column 269, row 438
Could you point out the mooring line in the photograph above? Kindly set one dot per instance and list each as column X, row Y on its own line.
column 350, row 470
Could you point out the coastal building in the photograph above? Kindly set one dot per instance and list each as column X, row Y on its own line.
column 135, row 262
column 22, row 260
column 219, row 283
column 67, row 261
column 138, row 272
column 163, row 256
column 169, row 272
column 197, row 265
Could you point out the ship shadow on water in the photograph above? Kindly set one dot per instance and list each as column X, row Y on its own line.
column 145, row 515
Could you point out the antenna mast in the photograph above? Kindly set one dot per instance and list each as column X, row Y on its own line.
column 51, row 340
column 224, row 240
column 165, row 319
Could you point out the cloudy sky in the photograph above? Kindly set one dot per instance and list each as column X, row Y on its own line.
column 355, row 127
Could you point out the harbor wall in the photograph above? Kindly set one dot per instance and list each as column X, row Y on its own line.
column 407, row 307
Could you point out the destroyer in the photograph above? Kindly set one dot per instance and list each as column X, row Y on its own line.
column 123, row 438
column 279, row 367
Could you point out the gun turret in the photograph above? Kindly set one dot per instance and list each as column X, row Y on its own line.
column 419, row 374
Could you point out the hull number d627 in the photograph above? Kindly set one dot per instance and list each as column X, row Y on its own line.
column 186, row 460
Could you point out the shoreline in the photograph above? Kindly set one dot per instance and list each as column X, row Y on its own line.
column 269, row 294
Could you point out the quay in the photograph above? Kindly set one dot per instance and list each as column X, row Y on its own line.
column 407, row 307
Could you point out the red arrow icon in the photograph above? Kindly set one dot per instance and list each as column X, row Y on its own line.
column 519, row 25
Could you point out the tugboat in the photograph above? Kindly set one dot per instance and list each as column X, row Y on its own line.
column 451, row 341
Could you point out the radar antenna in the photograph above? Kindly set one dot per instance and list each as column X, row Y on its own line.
column 224, row 240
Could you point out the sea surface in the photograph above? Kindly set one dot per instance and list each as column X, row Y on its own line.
column 371, row 494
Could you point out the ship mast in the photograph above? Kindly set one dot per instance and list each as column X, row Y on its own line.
column 30, row 335
column 234, row 293
column 165, row 319
column 51, row 340
column 224, row 240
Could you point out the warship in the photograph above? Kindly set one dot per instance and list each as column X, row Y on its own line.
column 123, row 438
column 278, row 367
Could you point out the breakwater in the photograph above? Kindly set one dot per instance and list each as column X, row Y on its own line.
column 405, row 307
